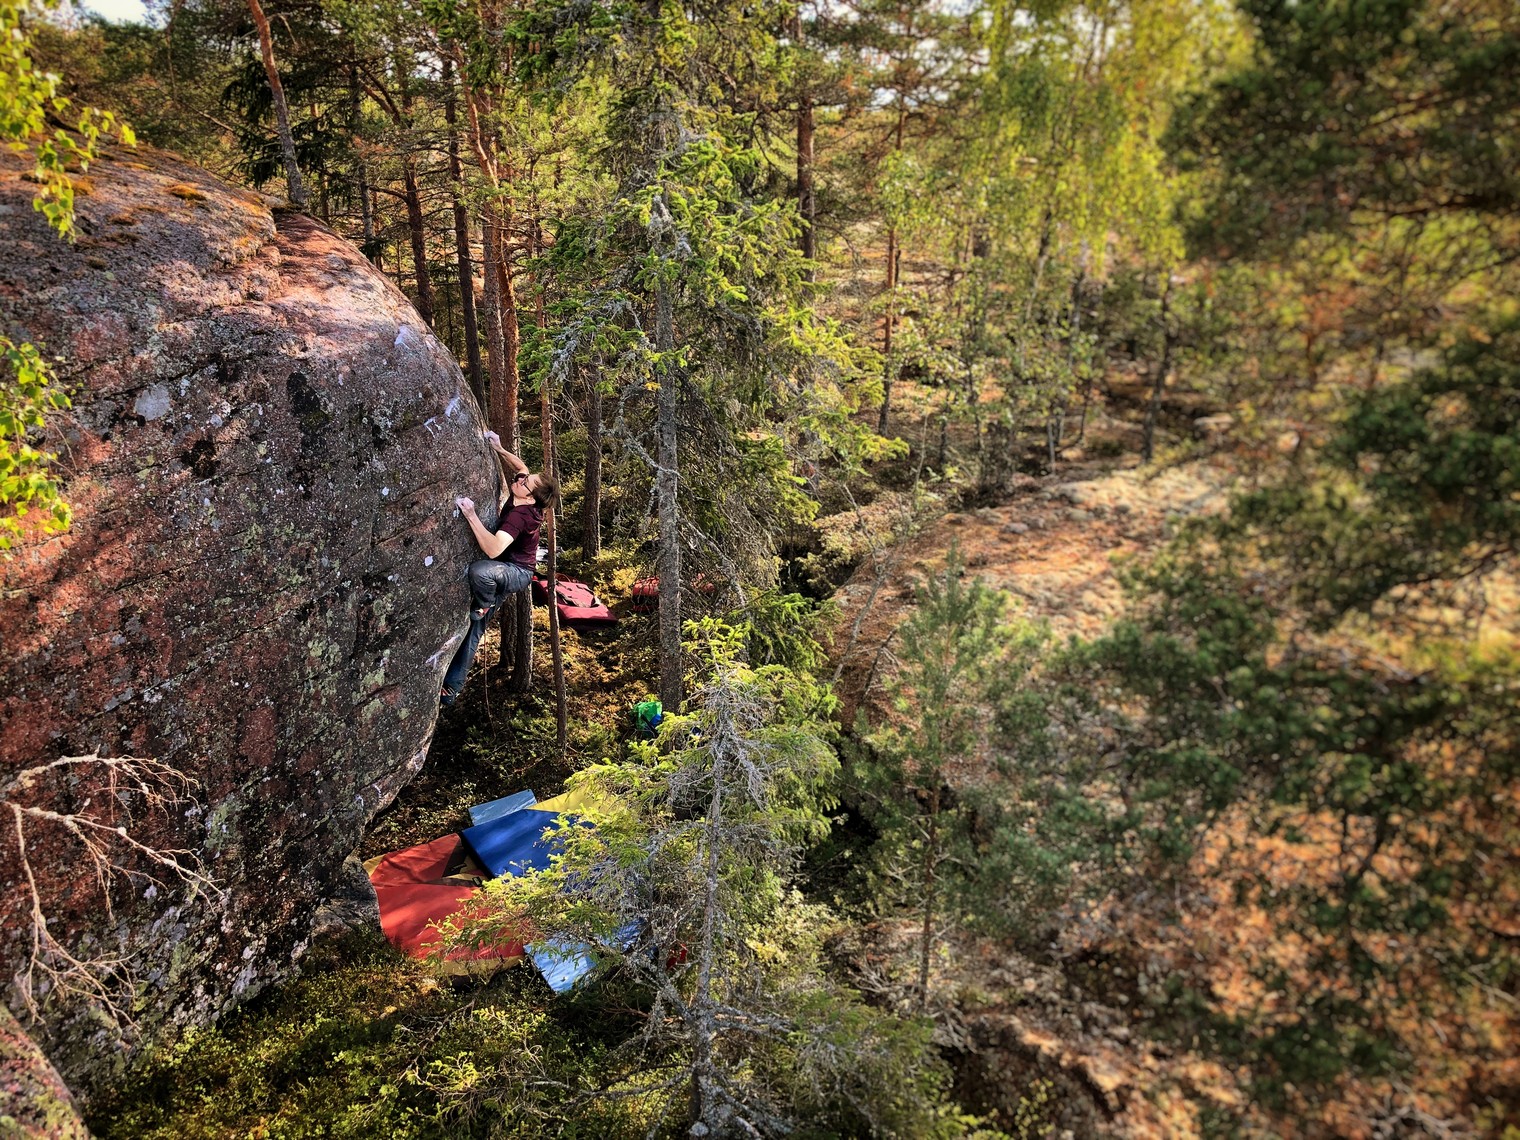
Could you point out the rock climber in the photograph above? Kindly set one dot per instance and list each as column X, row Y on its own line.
column 511, row 554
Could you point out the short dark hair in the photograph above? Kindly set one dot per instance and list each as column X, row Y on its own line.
column 546, row 494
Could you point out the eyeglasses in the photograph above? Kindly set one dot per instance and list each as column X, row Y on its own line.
column 521, row 477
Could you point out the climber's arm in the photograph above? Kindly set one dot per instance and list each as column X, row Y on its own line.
column 491, row 544
column 513, row 461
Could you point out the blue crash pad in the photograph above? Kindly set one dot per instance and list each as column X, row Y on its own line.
column 512, row 843
column 562, row 961
column 565, row 961
column 485, row 813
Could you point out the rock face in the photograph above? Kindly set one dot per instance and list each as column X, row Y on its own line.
column 34, row 1103
column 261, row 589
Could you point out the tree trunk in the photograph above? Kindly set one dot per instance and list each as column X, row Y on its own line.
column 501, row 301
column 496, row 415
column 367, row 216
column 1078, row 287
column 511, row 343
column 374, row 209
column 893, row 257
column 591, row 543
column 704, row 1027
column 462, row 244
column 511, row 335
column 931, row 867
column 806, row 204
column 295, row 190
column 418, row 228
column 666, row 489
column 516, row 628
column 1162, row 368
column 496, row 350
column 885, row 419
column 551, row 468
column 556, row 651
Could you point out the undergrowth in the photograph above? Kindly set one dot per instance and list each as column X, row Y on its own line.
column 366, row 1044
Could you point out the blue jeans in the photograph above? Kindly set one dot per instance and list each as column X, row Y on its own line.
column 491, row 583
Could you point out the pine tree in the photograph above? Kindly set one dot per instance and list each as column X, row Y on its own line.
column 685, row 883
column 295, row 188
column 956, row 654
column 692, row 286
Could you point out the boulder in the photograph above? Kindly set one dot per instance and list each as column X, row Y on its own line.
column 232, row 659
column 35, row 1104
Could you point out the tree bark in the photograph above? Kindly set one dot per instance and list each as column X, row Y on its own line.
column 380, row 224
column 806, row 204
column 556, row 651
column 930, row 872
column 551, row 468
column 496, row 350
column 517, row 642
column 666, row 488
column 418, row 228
column 1078, row 287
column 367, row 215
column 462, row 244
column 295, row 189
column 501, row 300
column 591, row 528
column 522, row 656
column 885, row 419
column 893, row 256
column 511, row 339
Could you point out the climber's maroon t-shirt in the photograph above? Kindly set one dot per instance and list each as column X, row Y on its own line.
column 521, row 522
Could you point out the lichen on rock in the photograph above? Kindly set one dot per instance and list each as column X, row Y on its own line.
column 261, row 588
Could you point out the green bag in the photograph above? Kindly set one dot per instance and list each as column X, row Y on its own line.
column 646, row 718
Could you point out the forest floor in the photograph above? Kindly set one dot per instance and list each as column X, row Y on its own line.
column 1054, row 544
column 1084, row 1024
column 1076, row 1034
column 495, row 741
column 1028, row 1035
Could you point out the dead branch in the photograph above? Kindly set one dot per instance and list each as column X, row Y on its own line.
column 50, row 971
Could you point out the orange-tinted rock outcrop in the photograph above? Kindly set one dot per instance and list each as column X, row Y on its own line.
column 259, row 593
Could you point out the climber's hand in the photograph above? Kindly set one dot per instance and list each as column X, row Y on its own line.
column 492, row 438
column 465, row 504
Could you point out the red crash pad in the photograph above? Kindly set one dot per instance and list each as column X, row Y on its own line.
column 417, row 895
column 578, row 607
